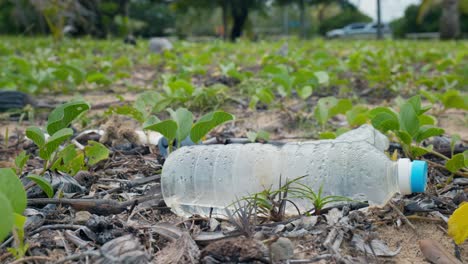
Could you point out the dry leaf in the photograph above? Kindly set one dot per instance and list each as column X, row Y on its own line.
column 458, row 224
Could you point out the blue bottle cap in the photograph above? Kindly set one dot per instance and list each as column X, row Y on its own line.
column 418, row 176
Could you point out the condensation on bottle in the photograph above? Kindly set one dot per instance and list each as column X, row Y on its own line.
column 208, row 179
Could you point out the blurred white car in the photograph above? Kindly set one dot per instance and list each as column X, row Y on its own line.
column 360, row 30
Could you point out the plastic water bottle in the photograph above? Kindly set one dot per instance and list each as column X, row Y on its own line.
column 207, row 179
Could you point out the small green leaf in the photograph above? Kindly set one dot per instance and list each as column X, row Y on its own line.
column 96, row 152
column 69, row 160
column 418, row 151
column 453, row 99
column 322, row 77
column 427, row 120
column 207, row 123
column 262, row 134
column 63, row 115
column 54, row 142
column 252, row 136
column 43, row 184
column 167, row 128
column 428, row 131
column 305, row 92
column 7, row 219
column 323, row 107
column 409, row 119
column 357, row 116
column 385, row 121
column 98, row 78
column 453, row 141
column 36, row 135
column 13, row 189
column 20, row 161
column 456, row 162
column 327, row 135
column 184, row 120
column 341, row 107
column 404, row 137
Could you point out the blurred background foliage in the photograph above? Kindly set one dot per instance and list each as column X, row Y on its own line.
column 223, row 18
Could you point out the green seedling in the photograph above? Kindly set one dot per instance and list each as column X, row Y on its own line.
column 302, row 191
column 68, row 159
column 12, row 204
column 258, row 136
column 181, row 125
column 410, row 126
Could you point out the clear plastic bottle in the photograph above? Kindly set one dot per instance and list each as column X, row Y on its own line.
column 207, row 179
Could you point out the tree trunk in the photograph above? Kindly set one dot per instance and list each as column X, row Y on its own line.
column 302, row 18
column 224, row 8
column 240, row 12
column 450, row 20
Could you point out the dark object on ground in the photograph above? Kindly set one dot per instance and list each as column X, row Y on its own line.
column 163, row 144
column 13, row 100
column 130, row 39
column 234, row 250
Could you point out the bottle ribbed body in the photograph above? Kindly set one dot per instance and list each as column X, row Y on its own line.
column 206, row 179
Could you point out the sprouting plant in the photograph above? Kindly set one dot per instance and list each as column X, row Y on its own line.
column 181, row 125
column 67, row 159
column 271, row 203
column 302, row 191
column 12, row 204
column 243, row 217
column 409, row 125
column 259, row 135
column 450, row 99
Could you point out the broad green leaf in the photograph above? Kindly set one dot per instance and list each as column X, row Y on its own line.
column 181, row 85
column 453, row 141
column 357, row 115
column 409, row 119
column 184, row 120
column 167, row 128
column 418, row 151
column 43, row 184
column 127, row 110
column 427, row 120
column 415, row 101
column 63, row 115
column 404, row 137
column 263, row 135
column 323, row 107
column 36, row 135
column 98, row 78
column 429, row 96
column 385, row 121
column 20, row 162
column 252, row 136
column 54, row 142
column 453, row 99
column 456, row 162
column 13, row 189
column 69, row 160
column 428, row 131
column 7, row 219
column 327, row 135
column 341, row 107
column 207, row 123
column 305, row 92
column 457, row 224
column 96, row 152
column 265, row 95
column 322, row 77
column 380, row 109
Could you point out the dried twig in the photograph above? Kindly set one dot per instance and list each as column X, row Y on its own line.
column 407, row 221
column 32, row 258
column 91, row 253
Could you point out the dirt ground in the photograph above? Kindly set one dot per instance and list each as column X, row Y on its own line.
column 281, row 127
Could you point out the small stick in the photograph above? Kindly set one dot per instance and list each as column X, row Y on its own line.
column 32, row 258
column 311, row 260
column 132, row 184
column 407, row 221
column 91, row 253
column 95, row 206
column 54, row 227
